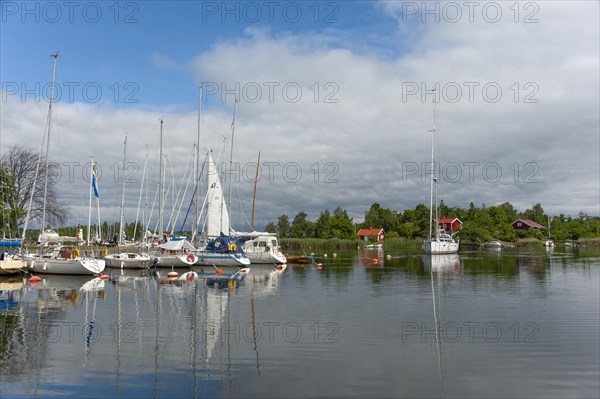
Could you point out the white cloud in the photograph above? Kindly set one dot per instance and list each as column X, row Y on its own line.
column 372, row 134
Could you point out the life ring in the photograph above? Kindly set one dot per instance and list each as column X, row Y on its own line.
column 191, row 258
column 232, row 247
column 75, row 253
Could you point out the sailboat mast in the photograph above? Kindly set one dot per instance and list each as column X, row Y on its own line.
column 197, row 167
column 161, row 183
column 433, row 175
column 254, row 195
column 121, row 219
column 89, row 227
column 231, row 161
column 54, row 57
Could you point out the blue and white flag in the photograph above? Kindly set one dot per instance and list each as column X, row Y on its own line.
column 94, row 185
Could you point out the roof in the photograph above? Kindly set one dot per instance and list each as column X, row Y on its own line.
column 530, row 223
column 448, row 220
column 369, row 232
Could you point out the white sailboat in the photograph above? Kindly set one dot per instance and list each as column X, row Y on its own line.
column 438, row 242
column 61, row 260
column 221, row 249
column 262, row 247
column 126, row 260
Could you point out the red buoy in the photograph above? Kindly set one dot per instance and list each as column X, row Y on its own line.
column 34, row 280
column 172, row 275
column 319, row 265
column 104, row 277
column 375, row 261
column 219, row 271
column 279, row 267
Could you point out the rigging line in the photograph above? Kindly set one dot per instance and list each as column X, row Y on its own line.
column 194, row 194
column 174, row 207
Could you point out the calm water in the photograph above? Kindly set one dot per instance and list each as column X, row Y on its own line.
column 485, row 324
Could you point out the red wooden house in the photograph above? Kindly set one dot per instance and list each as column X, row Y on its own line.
column 449, row 224
column 364, row 234
column 526, row 224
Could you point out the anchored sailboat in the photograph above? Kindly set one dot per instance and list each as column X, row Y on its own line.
column 438, row 242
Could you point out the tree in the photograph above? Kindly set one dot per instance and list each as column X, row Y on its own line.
column 271, row 228
column 323, row 225
column 283, row 226
column 536, row 214
column 341, row 224
column 20, row 164
column 301, row 227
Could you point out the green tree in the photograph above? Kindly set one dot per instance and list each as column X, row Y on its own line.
column 271, row 228
column 301, row 227
column 341, row 224
column 536, row 214
column 323, row 225
column 283, row 226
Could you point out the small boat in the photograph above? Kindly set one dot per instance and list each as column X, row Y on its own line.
column 549, row 244
column 128, row 260
column 261, row 248
column 10, row 262
column 493, row 244
column 176, row 253
column 298, row 258
column 65, row 261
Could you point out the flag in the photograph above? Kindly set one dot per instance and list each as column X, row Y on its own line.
column 94, row 186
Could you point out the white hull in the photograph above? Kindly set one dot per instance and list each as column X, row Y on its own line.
column 266, row 258
column 175, row 261
column 440, row 247
column 128, row 261
column 226, row 259
column 71, row 267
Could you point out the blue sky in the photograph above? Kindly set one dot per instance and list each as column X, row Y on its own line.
column 516, row 82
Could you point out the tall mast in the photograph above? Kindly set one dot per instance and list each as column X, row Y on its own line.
column 54, row 57
column 231, row 161
column 254, row 195
column 433, row 174
column 89, row 227
column 121, row 219
column 197, row 167
column 161, row 183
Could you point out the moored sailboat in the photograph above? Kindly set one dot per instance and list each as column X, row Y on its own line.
column 438, row 242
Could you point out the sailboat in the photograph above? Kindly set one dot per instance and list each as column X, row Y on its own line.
column 126, row 260
column 261, row 247
column 221, row 249
column 439, row 242
column 62, row 260
column 549, row 244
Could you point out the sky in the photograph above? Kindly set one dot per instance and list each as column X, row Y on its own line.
column 336, row 96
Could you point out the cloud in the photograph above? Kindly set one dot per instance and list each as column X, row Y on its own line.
column 518, row 113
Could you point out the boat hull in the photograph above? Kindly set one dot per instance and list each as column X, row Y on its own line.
column 71, row 267
column 267, row 258
column 225, row 259
column 440, row 247
column 171, row 261
column 127, row 261
column 11, row 266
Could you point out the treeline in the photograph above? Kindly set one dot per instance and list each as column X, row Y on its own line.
column 480, row 223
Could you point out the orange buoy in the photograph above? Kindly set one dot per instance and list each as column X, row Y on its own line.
column 34, row 280
column 279, row 267
column 104, row 277
column 219, row 270
column 375, row 261
column 172, row 275
column 319, row 265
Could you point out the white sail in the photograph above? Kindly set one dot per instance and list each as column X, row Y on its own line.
column 217, row 217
